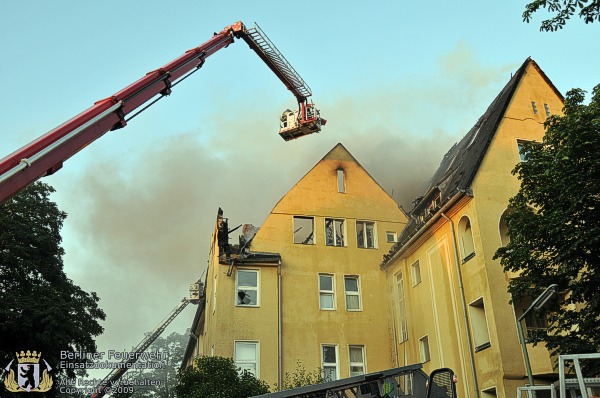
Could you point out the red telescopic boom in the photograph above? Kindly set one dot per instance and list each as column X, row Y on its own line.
column 46, row 154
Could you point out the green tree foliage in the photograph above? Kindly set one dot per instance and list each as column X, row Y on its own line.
column 40, row 308
column 218, row 377
column 301, row 377
column 554, row 226
column 588, row 10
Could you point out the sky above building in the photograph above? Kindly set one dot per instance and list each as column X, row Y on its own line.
column 399, row 82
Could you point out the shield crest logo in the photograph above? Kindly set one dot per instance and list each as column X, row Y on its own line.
column 28, row 376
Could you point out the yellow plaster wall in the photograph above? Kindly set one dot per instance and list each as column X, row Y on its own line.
column 435, row 309
column 493, row 186
column 305, row 326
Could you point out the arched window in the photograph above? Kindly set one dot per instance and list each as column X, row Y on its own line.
column 465, row 238
column 503, row 227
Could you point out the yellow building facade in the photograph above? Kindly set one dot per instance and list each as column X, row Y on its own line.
column 450, row 302
column 310, row 284
column 305, row 287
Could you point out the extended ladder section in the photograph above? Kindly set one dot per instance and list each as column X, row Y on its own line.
column 293, row 124
column 266, row 50
column 46, row 154
column 112, row 379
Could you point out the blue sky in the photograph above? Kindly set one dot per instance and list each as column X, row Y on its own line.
column 399, row 82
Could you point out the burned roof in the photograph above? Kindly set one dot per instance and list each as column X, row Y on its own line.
column 460, row 164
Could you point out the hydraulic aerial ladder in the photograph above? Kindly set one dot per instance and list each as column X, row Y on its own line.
column 46, row 154
column 111, row 380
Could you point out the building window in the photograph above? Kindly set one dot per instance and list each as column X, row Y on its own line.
column 405, row 384
column 329, row 362
column 424, row 349
column 357, row 360
column 326, row 292
column 247, row 288
column 416, row 273
column 536, row 320
column 340, row 181
column 534, row 107
column 246, row 356
column 334, row 232
column 352, row 288
column 391, row 237
column 402, row 326
column 304, row 230
column 465, row 234
column 490, row 393
column 479, row 327
column 503, row 228
column 522, row 152
column 365, row 234
column 547, row 109
column 434, row 206
column 215, row 294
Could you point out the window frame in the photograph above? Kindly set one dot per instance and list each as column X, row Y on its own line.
column 489, row 392
column 478, row 319
column 394, row 236
column 351, row 293
column 294, row 230
column 256, row 361
column 415, row 272
column 534, row 107
column 425, row 355
column 547, row 109
column 330, row 364
column 362, row 364
column 364, row 234
column 503, row 228
column 520, row 152
column 341, row 180
column 401, row 307
column 463, row 228
column 327, row 292
column 343, row 232
column 214, row 288
column 244, row 287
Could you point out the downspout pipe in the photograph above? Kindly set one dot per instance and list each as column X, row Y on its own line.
column 464, row 304
column 279, row 330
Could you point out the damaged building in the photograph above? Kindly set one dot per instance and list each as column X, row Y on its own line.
column 306, row 286
column 339, row 278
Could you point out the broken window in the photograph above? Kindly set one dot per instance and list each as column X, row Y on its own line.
column 247, row 288
column 304, row 230
column 334, row 232
column 365, row 234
